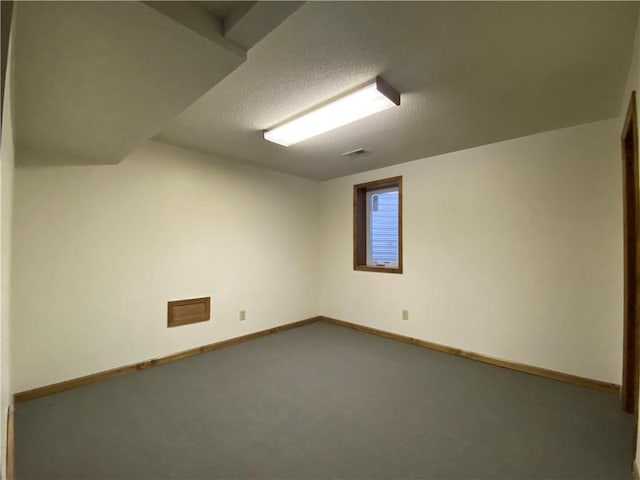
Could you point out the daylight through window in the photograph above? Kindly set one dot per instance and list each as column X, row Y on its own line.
column 378, row 226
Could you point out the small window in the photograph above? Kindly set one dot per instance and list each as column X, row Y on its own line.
column 377, row 226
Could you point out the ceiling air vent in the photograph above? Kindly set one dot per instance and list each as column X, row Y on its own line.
column 358, row 152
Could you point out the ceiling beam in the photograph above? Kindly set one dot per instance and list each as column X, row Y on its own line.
column 250, row 22
column 196, row 19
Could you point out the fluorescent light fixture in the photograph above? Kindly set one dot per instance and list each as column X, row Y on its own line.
column 371, row 98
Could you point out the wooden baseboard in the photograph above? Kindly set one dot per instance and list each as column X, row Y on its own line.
column 636, row 472
column 104, row 375
column 520, row 367
column 10, row 444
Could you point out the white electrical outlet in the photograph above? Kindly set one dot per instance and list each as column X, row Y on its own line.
column 405, row 314
column 243, row 315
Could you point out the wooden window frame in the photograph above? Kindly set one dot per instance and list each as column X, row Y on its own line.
column 360, row 224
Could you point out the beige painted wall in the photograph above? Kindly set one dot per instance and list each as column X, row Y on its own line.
column 512, row 250
column 6, row 194
column 99, row 250
column 633, row 83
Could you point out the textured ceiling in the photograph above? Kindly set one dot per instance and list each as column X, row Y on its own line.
column 469, row 73
column 96, row 79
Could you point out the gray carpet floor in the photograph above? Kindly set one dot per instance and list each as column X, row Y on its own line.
column 323, row 401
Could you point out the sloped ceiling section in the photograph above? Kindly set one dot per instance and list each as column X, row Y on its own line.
column 470, row 73
column 96, row 79
column 246, row 25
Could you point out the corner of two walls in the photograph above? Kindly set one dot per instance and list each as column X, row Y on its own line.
column 99, row 250
column 633, row 83
column 512, row 250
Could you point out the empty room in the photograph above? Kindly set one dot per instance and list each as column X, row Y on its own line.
column 319, row 240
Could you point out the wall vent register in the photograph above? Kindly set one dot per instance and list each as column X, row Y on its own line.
column 184, row 312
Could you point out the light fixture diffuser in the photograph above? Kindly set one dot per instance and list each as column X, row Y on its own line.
column 371, row 98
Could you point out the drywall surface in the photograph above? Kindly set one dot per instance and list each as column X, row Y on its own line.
column 6, row 194
column 512, row 250
column 633, row 83
column 633, row 78
column 99, row 250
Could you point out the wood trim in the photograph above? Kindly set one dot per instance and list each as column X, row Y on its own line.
column 632, row 114
column 629, row 145
column 104, row 375
column 367, row 268
column 376, row 184
column 359, row 227
column 360, row 224
column 10, row 444
column 177, row 315
column 636, row 472
column 499, row 362
column 115, row 372
column 400, row 228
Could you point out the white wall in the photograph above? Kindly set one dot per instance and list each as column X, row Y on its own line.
column 6, row 194
column 99, row 250
column 633, row 78
column 512, row 250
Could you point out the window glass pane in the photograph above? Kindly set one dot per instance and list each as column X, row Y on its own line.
column 383, row 224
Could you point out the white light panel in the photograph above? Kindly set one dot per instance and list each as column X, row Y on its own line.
column 356, row 105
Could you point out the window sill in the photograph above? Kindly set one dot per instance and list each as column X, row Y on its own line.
column 367, row 268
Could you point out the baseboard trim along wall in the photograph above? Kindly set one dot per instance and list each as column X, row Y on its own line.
column 106, row 374
column 9, row 444
column 520, row 367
